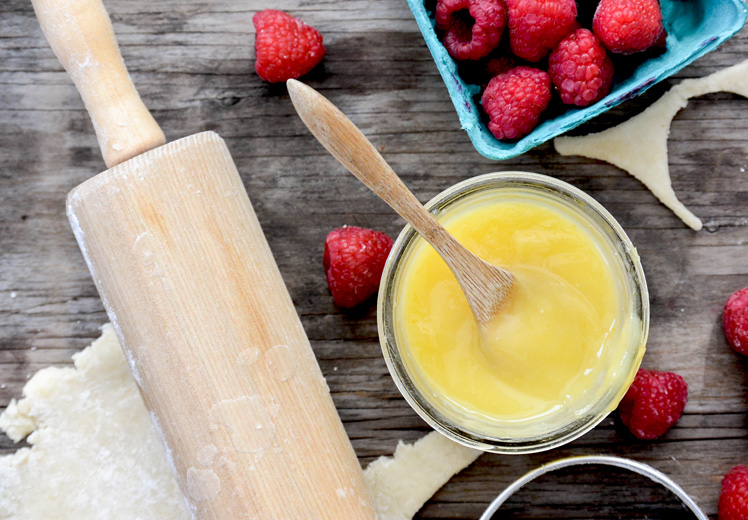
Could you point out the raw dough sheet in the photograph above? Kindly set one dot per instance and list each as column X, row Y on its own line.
column 95, row 454
column 639, row 145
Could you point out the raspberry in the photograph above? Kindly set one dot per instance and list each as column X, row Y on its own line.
column 354, row 260
column 472, row 28
column 653, row 403
column 285, row 47
column 499, row 65
column 661, row 43
column 628, row 26
column 733, row 500
column 580, row 69
column 735, row 321
column 514, row 101
column 536, row 26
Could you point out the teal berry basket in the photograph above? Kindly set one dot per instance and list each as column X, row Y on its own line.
column 694, row 27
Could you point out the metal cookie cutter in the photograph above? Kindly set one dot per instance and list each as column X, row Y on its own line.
column 631, row 465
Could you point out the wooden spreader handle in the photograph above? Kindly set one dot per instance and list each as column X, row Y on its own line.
column 81, row 36
column 199, row 306
column 485, row 286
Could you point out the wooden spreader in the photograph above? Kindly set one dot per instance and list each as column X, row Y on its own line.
column 199, row 306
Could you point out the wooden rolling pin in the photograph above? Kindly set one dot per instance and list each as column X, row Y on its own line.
column 199, row 306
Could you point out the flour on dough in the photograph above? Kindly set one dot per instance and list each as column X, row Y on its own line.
column 95, row 454
column 639, row 145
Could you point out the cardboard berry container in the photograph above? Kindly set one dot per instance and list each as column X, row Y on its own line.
column 694, row 27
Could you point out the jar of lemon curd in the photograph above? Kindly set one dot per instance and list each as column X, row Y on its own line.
column 566, row 344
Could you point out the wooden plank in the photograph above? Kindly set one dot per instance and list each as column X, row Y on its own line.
column 193, row 64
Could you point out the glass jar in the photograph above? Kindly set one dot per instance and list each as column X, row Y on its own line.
column 494, row 434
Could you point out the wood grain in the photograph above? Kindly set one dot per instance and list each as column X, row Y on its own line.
column 192, row 62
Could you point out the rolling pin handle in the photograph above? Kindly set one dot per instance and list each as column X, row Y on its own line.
column 82, row 37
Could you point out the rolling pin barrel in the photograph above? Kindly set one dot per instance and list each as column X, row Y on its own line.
column 213, row 339
column 199, row 306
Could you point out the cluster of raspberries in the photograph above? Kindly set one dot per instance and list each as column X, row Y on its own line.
column 548, row 48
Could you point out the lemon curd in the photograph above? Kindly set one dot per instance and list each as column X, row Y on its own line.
column 563, row 341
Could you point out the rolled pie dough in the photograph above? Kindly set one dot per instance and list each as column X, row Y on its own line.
column 96, row 456
column 639, row 145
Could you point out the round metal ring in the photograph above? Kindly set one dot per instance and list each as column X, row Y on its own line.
column 627, row 464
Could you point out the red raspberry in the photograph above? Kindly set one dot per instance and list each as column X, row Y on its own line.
column 499, row 65
column 514, row 101
column 653, row 403
column 735, row 321
column 285, row 47
column 628, row 26
column 661, row 43
column 580, row 69
column 536, row 26
column 733, row 500
column 354, row 260
column 472, row 28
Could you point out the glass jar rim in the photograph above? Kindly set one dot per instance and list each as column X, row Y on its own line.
column 594, row 214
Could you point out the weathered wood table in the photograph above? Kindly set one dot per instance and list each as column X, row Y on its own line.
column 193, row 64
